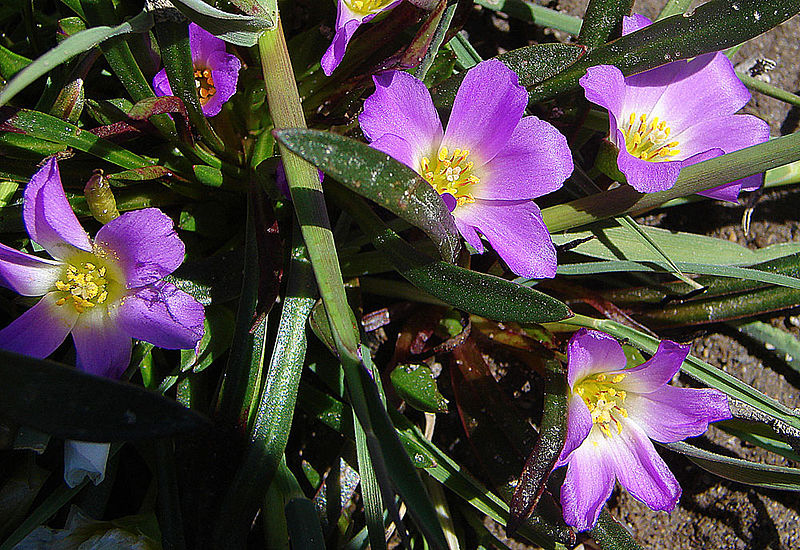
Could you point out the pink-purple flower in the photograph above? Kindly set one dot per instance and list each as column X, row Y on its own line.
column 487, row 166
column 350, row 14
column 612, row 414
column 216, row 72
column 104, row 292
column 675, row 115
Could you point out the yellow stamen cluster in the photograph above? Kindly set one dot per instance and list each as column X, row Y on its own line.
column 366, row 7
column 205, row 84
column 84, row 285
column 649, row 140
column 604, row 401
column 451, row 173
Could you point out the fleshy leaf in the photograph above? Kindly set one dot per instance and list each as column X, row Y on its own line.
column 380, row 178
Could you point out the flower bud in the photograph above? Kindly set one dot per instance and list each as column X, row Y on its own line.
column 100, row 199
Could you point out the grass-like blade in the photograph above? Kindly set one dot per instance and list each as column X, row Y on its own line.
column 380, row 178
column 49, row 128
column 98, row 409
column 692, row 179
column 736, row 469
column 273, row 418
column 69, row 48
column 241, row 30
column 613, row 242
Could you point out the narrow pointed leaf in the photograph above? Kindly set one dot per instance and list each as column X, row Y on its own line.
column 602, row 18
column 50, row 128
column 69, row 48
column 98, row 409
column 470, row 291
column 692, row 179
column 533, row 64
column 552, row 433
column 240, row 30
column 743, row 471
column 380, row 178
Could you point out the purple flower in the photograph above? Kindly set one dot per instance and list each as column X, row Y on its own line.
column 612, row 414
column 103, row 292
column 675, row 115
column 215, row 71
column 350, row 14
column 489, row 164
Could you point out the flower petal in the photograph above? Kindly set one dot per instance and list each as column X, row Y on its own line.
column 728, row 133
column 225, row 72
column 592, row 352
column 604, row 85
column 161, row 83
column 656, row 371
column 402, row 106
column 162, row 315
column 203, row 44
column 467, row 231
column 640, row 469
column 41, row 329
column 103, row 348
column 516, row 231
column 84, row 459
column 488, row 106
column 587, row 485
column 399, row 149
column 26, row 274
column 579, row 424
column 535, row 161
column 704, row 88
column 347, row 22
column 643, row 175
column 48, row 216
column 144, row 244
column 672, row 414
column 634, row 22
column 730, row 191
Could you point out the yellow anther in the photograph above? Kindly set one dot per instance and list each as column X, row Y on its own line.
column 83, row 284
column 604, row 401
column 451, row 173
column 648, row 140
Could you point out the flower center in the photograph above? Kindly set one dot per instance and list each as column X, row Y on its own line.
column 451, row 174
column 86, row 283
column 366, row 7
column 649, row 140
column 205, row 84
column 604, row 401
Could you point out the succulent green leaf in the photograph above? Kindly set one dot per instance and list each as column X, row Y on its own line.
column 99, row 409
column 380, row 178
column 241, row 30
column 416, row 385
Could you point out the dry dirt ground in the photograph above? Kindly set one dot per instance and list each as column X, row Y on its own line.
column 715, row 513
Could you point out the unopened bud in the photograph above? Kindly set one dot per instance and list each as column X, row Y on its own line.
column 100, row 199
column 69, row 103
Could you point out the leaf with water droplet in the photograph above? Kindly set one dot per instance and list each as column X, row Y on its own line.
column 414, row 383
